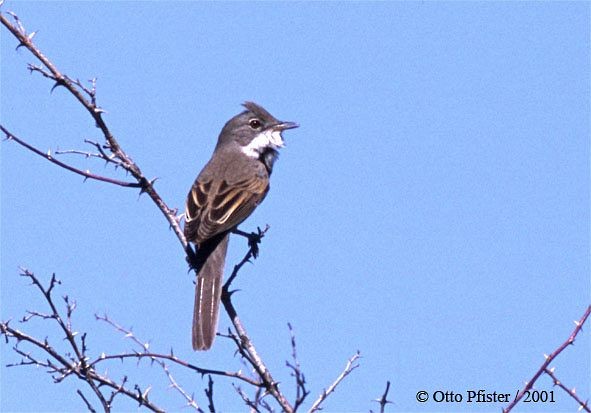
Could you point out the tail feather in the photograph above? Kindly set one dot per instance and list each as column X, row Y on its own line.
column 208, row 291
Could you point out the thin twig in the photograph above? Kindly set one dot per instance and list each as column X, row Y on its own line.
column 100, row 155
column 383, row 400
column 301, row 391
column 86, row 402
column 209, row 395
column 583, row 405
column 351, row 365
column 159, row 356
column 254, row 405
column 47, row 155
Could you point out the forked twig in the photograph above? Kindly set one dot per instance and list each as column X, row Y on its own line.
column 583, row 405
column 548, row 359
column 351, row 365
column 72, row 364
column 47, row 155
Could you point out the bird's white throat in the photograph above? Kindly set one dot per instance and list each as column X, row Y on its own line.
column 267, row 139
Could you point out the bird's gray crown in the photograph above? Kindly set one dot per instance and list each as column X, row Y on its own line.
column 245, row 126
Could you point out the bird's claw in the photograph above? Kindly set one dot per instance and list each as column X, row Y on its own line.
column 254, row 239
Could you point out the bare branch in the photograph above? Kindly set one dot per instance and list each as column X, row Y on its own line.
column 209, row 394
column 86, row 402
column 244, row 344
column 351, row 365
column 583, row 405
column 569, row 341
column 61, row 367
column 47, row 155
column 100, row 155
column 301, row 391
column 254, row 405
column 159, row 357
column 87, row 98
column 383, row 401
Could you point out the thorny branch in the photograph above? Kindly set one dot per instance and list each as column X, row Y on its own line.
column 155, row 358
column 100, row 155
column 243, row 343
column 47, row 155
column 85, row 366
column 583, row 405
column 548, row 359
column 209, row 395
column 87, row 98
column 76, row 364
column 82, row 366
column 158, row 357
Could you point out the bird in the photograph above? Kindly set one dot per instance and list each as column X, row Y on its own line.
column 227, row 190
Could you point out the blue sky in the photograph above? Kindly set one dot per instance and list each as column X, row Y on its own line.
column 432, row 211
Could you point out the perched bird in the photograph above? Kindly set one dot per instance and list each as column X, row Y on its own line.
column 225, row 193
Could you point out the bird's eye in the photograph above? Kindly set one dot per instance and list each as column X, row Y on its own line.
column 255, row 123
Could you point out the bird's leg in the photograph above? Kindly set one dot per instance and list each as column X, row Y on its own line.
column 191, row 257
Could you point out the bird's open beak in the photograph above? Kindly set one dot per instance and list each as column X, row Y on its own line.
column 274, row 133
column 285, row 125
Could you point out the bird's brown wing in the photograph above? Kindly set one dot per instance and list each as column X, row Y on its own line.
column 216, row 206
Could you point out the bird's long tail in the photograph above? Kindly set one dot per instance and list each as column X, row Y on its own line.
column 208, row 291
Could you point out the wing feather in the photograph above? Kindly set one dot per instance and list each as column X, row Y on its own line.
column 214, row 206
